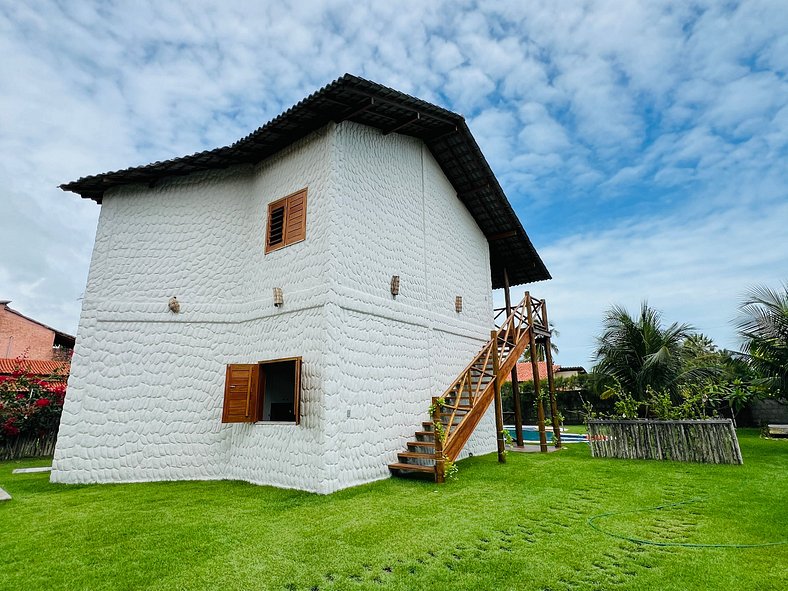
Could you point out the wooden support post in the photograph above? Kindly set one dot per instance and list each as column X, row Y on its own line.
column 535, row 369
column 518, row 411
column 497, row 393
column 548, row 356
column 440, row 467
column 551, row 385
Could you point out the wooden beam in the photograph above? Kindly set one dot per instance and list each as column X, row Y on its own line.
column 397, row 105
column 498, row 405
column 548, row 355
column 518, row 412
column 440, row 136
column 501, row 236
column 356, row 110
column 440, row 463
column 477, row 189
column 402, row 124
column 535, row 369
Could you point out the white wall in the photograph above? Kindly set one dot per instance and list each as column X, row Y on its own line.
column 146, row 386
column 397, row 214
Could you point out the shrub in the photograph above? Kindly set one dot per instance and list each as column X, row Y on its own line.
column 30, row 406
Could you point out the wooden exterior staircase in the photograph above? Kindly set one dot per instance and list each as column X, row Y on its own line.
column 456, row 414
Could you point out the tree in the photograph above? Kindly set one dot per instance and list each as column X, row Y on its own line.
column 638, row 354
column 763, row 328
column 540, row 352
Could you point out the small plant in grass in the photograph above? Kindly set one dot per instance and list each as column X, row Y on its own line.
column 30, row 406
column 449, row 468
column 507, row 437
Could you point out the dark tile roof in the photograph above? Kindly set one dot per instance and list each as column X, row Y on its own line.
column 356, row 99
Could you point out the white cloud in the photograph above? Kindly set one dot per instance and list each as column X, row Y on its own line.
column 694, row 269
column 620, row 130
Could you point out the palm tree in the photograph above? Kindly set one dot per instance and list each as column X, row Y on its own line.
column 636, row 353
column 540, row 352
column 763, row 327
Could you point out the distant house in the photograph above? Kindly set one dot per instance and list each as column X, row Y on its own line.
column 282, row 310
column 525, row 371
column 21, row 336
column 569, row 399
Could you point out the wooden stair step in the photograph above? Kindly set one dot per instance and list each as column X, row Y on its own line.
column 416, row 455
column 425, row 434
column 421, row 444
column 411, row 467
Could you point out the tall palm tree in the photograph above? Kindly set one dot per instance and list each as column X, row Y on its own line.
column 638, row 352
column 763, row 328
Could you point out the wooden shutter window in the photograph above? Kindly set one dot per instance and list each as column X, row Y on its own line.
column 276, row 225
column 297, row 393
column 241, row 393
column 286, row 221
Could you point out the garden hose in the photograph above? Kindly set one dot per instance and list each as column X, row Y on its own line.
column 592, row 522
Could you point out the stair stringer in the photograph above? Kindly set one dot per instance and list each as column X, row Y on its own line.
column 460, row 435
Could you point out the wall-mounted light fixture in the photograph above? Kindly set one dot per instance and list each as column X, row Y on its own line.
column 458, row 304
column 395, row 285
column 174, row 305
column 278, row 297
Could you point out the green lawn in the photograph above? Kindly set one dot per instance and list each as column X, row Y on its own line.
column 520, row 526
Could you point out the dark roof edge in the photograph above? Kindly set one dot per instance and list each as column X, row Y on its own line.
column 357, row 99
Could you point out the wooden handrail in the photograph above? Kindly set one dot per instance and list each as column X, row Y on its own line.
column 512, row 333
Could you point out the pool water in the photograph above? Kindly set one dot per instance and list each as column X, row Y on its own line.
column 531, row 435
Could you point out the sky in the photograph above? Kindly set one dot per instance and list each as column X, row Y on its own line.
column 642, row 144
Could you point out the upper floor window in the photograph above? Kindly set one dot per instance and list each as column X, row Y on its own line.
column 286, row 221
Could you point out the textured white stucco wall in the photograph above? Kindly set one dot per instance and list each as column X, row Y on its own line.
column 398, row 215
column 146, row 386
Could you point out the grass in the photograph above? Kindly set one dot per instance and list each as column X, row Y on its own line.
column 522, row 525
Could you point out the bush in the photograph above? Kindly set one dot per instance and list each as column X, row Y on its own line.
column 30, row 406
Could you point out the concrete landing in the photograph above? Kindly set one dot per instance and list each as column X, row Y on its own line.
column 32, row 470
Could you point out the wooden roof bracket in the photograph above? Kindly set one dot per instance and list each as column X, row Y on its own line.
column 502, row 236
column 402, row 124
column 355, row 110
column 397, row 105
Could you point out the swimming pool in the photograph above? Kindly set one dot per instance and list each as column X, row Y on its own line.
column 531, row 435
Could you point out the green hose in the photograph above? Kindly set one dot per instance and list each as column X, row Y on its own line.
column 591, row 521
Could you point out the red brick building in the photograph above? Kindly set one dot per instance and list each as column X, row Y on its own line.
column 21, row 336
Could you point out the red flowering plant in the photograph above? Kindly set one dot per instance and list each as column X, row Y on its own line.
column 30, row 405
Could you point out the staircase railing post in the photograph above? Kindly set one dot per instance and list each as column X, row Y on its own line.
column 497, row 398
column 440, row 467
column 548, row 355
column 535, row 370
column 518, row 411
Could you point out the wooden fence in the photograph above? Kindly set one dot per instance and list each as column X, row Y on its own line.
column 711, row 441
column 28, row 447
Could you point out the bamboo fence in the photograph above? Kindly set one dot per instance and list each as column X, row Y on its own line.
column 28, row 447
column 709, row 441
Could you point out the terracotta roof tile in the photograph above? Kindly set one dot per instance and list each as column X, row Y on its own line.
column 39, row 367
column 526, row 374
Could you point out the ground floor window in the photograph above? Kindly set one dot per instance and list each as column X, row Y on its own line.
column 264, row 391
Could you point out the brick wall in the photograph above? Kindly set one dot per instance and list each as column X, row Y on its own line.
column 20, row 336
